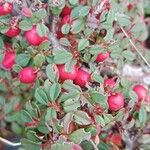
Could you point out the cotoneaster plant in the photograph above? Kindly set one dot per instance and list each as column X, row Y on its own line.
column 62, row 81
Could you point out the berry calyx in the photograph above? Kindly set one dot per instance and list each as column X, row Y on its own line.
column 8, row 60
column 102, row 57
column 6, row 9
column 33, row 38
column 27, row 75
column 66, row 11
column 115, row 101
column 12, row 32
column 82, row 78
column 63, row 75
column 141, row 91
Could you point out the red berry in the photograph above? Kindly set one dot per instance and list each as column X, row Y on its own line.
column 82, row 78
column 33, row 38
column 115, row 101
column 109, row 83
column 63, row 75
column 27, row 75
column 8, row 60
column 12, row 32
column 141, row 91
column 102, row 56
column 6, row 8
column 66, row 19
column 116, row 139
column 130, row 6
column 66, row 11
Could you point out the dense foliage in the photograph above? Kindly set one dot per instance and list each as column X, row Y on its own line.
column 61, row 82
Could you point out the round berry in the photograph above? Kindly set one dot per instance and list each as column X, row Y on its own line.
column 6, row 8
column 8, row 60
column 141, row 91
column 27, row 75
column 115, row 101
column 63, row 75
column 66, row 20
column 12, row 32
column 102, row 57
column 82, row 78
column 66, row 11
column 33, row 38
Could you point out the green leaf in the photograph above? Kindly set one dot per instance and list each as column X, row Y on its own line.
column 68, row 85
column 103, row 146
column 95, row 49
column 71, row 95
column 77, row 26
column 16, row 128
column 55, row 91
column 71, row 105
column 31, row 135
column 65, row 28
column 99, row 98
column 61, row 146
column 83, row 43
column 42, row 30
column 66, row 122
column 25, row 116
column 100, row 120
column 40, row 14
column 27, row 144
column 1, row 43
column 64, row 42
column 82, row 118
column 97, row 78
column 128, row 55
column 75, row 12
column 25, row 25
column 41, row 96
column 16, row 68
column 87, row 145
column 39, row 59
column 23, row 59
column 73, row 2
column 110, row 17
column 79, row 135
column 84, row 11
column 51, row 73
column 142, row 115
column 50, row 114
column 70, row 65
column 62, row 57
column 2, row 100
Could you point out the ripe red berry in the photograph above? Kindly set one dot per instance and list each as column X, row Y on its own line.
column 116, row 139
column 27, row 75
column 102, row 57
column 109, row 83
column 130, row 6
column 141, row 91
column 12, row 32
column 66, row 11
column 8, row 60
column 66, row 19
column 33, row 38
column 63, row 75
column 82, row 78
column 115, row 101
column 6, row 8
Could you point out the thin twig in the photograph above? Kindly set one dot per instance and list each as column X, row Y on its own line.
column 95, row 147
column 132, row 43
column 9, row 142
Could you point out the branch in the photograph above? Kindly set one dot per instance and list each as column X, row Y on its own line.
column 9, row 142
column 132, row 43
